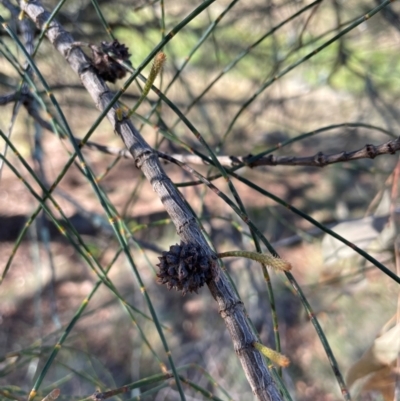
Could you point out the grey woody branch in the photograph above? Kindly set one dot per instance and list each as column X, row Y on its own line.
column 28, row 101
column 319, row 160
column 11, row 97
column 230, row 306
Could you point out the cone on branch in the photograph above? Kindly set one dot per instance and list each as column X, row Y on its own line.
column 185, row 268
column 106, row 65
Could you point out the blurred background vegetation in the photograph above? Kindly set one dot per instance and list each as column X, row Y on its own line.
column 226, row 71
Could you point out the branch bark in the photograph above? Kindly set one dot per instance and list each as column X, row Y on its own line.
column 230, row 306
column 321, row 160
column 318, row 160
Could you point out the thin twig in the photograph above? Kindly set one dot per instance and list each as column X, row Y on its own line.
column 318, row 160
column 11, row 97
column 321, row 160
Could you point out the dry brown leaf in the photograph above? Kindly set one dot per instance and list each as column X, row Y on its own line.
column 376, row 362
column 384, row 381
column 53, row 395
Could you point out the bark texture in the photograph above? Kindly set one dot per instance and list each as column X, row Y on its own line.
column 231, row 308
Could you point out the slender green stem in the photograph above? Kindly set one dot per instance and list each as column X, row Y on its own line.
column 325, row 229
column 291, row 67
column 202, row 39
column 104, row 22
column 245, row 52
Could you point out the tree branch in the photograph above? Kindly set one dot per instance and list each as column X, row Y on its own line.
column 11, row 97
column 319, row 160
column 230, row 306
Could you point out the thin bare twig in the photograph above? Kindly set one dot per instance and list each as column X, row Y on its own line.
column 319, row 160
column 11, row 97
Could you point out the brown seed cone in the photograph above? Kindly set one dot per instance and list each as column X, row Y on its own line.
column 108, row 67
column 184, row 268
